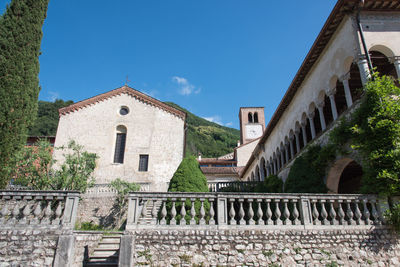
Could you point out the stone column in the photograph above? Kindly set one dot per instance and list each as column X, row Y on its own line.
column 331, row 94
column 347, row 92
column 296, row 133
column 320, row 107
column 396, row 62
column 364, row 70
column 287, row 152
column 312, row 126
column 268, row 172
column 304, row 132
column 291, row 146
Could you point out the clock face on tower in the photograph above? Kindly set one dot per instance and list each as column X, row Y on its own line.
column 253, row 131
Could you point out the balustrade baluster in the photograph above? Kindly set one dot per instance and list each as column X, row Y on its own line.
column 357, row 212
column 241, row 212
column 37, row 212
column 251, row 212
column 173, row 212
column 57, row 213
column 332, row 212
column 380, row 214
column 278, row 213
column 315, row 212
column 375, row 214
column 324, row 214
column 25, row 213
column 349, row 213
column 212, row 213
column 366, row 212
column 296, row 214
column 202, row 220
column 192, row 212
column 232, row 212
column 341, row 214
column 183, row 212
column 163, row 221
column 47, row 213
column 268, row 213
column 260, row 220
column 4, row 214
column 143, row 212
column 286, row 213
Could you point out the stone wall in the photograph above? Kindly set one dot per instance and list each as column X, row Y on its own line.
column 96, row 209
column 28, row 247
column 87, row 239
column 374, row 247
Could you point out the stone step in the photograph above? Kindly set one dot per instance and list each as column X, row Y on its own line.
column 102, row 258
column 102, row 264
column 108, row 246
column 104, row 254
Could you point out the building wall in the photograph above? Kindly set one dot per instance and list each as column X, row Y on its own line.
column 382, row 34
column 150, row 130
column 243, row 152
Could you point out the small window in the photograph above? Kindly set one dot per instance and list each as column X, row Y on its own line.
column 120, row 145
column 250, row 117
column 143, row 163
column 255, row 117
column 124, row 111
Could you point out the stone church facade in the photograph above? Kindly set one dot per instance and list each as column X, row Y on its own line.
column 136, row 137
column 325, row 88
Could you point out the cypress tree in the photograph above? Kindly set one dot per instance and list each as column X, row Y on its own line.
column 20, row 38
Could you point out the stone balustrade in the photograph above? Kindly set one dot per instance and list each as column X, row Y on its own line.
column 38, row 209
column 226, row 210
column 237, row 186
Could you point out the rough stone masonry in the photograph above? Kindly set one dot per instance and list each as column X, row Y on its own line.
column 374, row 247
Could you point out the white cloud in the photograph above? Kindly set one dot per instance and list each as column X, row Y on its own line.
column 229, row 124
column 217, row 119
column 53, row 96
column 185, row 87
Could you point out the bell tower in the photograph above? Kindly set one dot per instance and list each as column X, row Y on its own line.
column 252, row 123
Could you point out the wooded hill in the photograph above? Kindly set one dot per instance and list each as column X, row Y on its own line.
column 208, row 138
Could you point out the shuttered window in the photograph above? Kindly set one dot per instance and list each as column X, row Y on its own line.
column 120, row 148
column 143, row 163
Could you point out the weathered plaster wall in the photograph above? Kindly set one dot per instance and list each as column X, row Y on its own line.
column 97, row 209
column 243, row 152
column 150, row 130
column 28, row 247
column 265, row 248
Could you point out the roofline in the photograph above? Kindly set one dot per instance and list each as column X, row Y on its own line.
column 339, row 12
column 118, row 91
column 249, row 107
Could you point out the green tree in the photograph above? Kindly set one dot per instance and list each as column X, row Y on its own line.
column 20, row 38
column 374, row 130
column 120, row 206
column 47, row 118
column 32, row 167
column 188, row 177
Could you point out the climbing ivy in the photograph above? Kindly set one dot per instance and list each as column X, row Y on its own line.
column 374, row 131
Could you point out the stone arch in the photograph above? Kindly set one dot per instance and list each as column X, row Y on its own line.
column 307, row 133
column 120, row 143
column 332, row 82
column 250, row 117
column 257, row 175
column 383, row 49
column 383, row 64
column 344, row 176
column 255, row 117
column 252, row 176
column 263, row 169
column 347, row 64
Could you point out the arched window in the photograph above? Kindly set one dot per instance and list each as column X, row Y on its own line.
column 120, row 144
column 250, row 117
column 255, row 117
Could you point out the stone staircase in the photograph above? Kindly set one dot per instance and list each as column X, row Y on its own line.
column 107, row 252
column 146, row 216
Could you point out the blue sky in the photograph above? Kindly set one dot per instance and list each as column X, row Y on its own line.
column 210, row 56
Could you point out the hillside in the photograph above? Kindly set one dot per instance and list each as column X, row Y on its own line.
column 208, row 138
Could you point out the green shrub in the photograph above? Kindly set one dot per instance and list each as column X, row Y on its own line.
column 393, row 217
column 272, row 184
column 308, row 171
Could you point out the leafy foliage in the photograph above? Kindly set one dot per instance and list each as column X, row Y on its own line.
column 188, row 177
column 272, row 184
column 123, row 188
column 33, row 168
column 308, row 171
column 20, row 38
column 47, row 118
column 393, row 217
column 374, row 130
column 208, row 138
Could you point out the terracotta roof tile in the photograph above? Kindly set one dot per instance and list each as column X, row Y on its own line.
column 119, row 91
